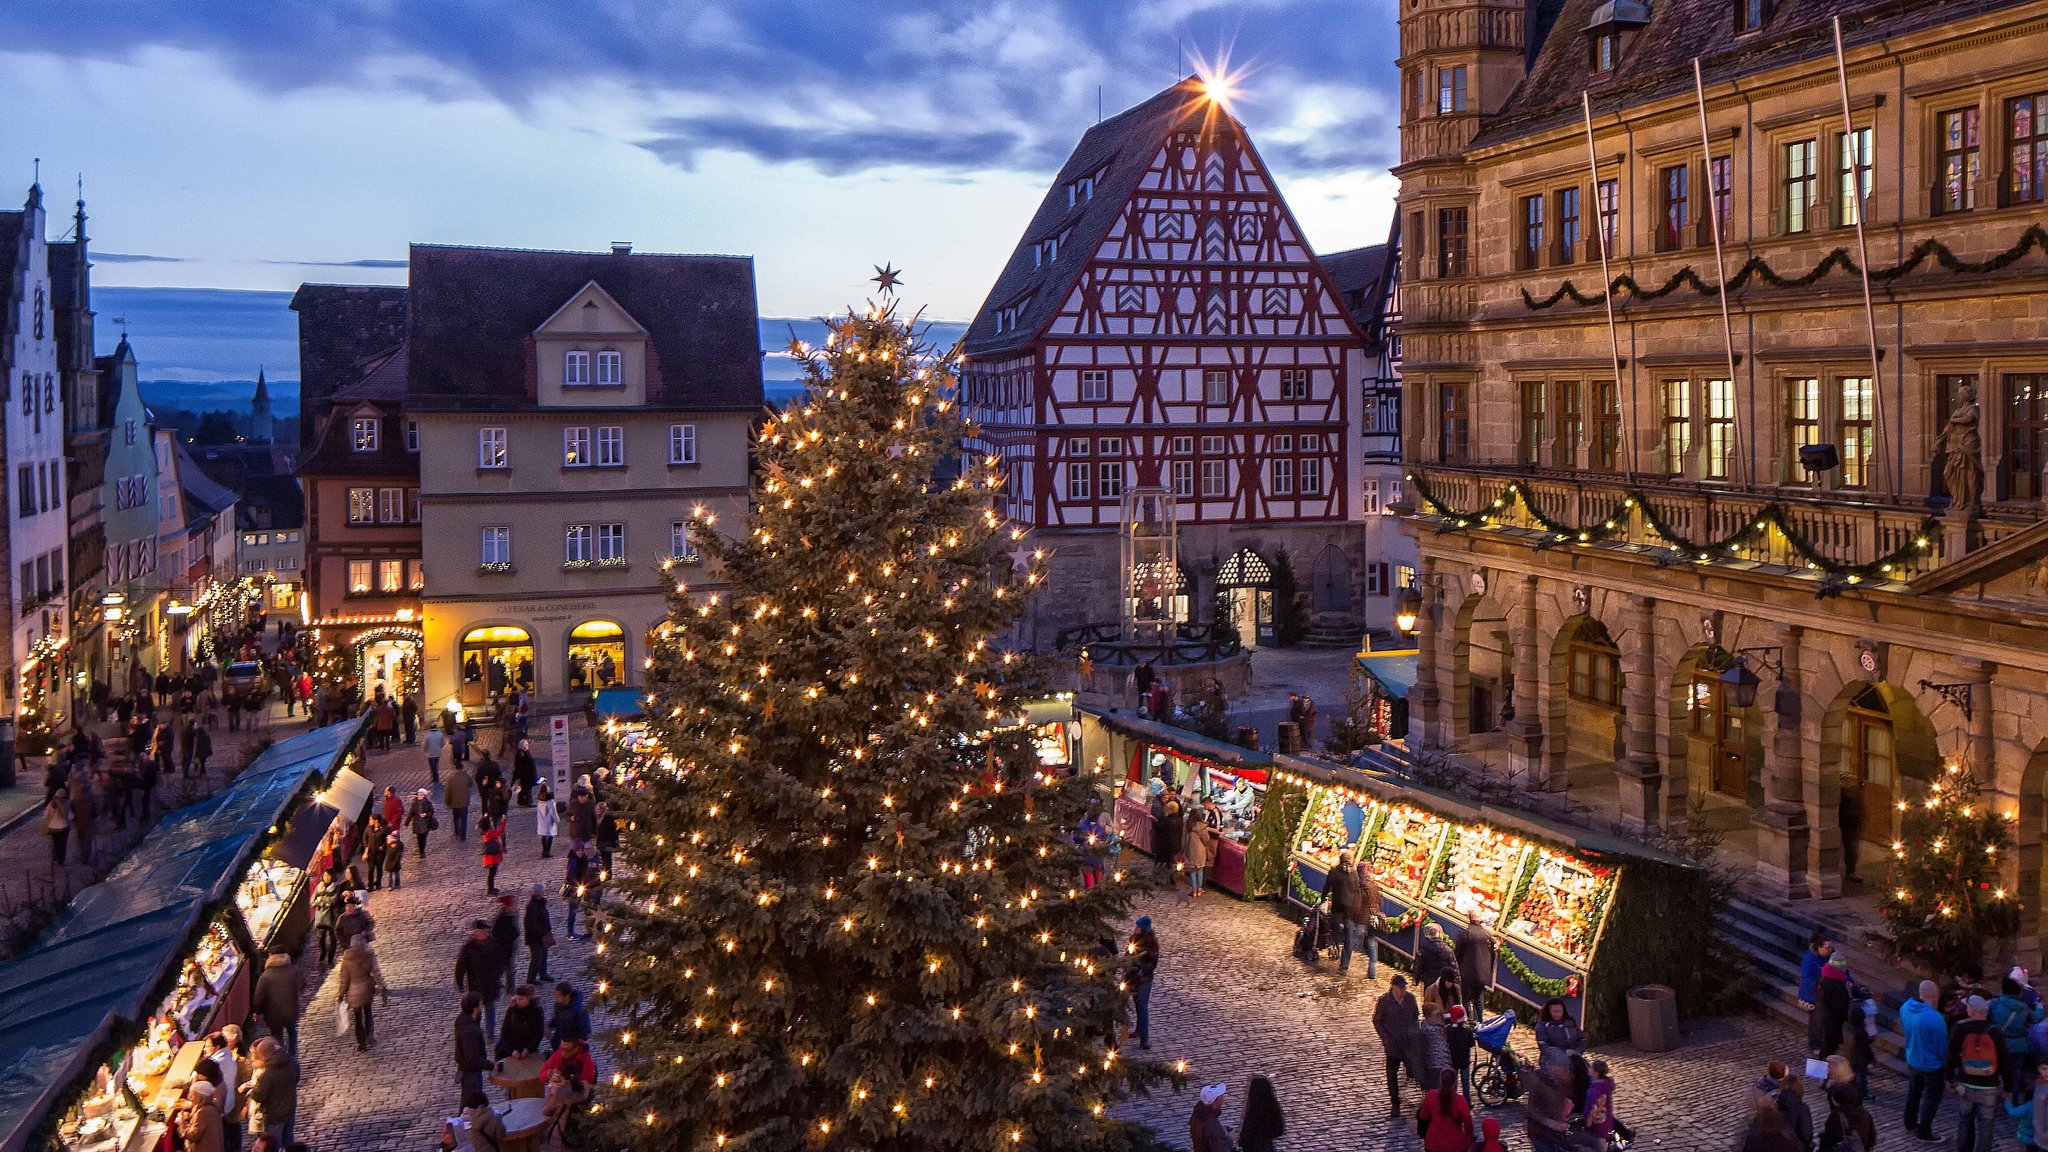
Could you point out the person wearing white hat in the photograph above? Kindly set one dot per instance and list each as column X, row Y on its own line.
column 1205, row 1124
column 197, row 1118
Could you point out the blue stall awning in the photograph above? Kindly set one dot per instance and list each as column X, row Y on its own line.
column 1393, row 671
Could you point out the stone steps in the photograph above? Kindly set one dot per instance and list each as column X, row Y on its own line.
column 1775, row 940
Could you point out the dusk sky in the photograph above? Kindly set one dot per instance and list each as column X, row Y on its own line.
column 257, row 144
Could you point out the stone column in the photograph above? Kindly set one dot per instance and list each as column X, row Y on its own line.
column 1641, row 775
column 1525, row 734
column 1425, row 700
column 1782, row 832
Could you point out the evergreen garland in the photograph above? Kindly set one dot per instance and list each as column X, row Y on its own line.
column 1540, row 985
column 1758, row 268
column 1683, row 549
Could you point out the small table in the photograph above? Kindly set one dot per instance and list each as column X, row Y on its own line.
column 519, row 1076
column 523, row 1125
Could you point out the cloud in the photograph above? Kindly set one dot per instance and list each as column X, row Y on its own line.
column 100, row 257
column 950, row 86
column 365, row 263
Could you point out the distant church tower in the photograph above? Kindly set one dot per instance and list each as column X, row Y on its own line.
column 260, row 427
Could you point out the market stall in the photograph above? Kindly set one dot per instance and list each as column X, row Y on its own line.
column 99, row 1021
column 1053, row 730
column 1387, row 677
column 1197, row 768
column 1577, row 914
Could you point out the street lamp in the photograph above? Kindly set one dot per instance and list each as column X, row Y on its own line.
column 1407, row 609
column 1739, row 684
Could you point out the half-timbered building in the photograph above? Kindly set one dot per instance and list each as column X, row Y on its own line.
column 1162, row 325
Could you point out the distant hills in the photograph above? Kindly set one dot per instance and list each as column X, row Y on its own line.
column 199, row 348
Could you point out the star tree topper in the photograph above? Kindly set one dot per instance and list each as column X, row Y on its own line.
column 888, row 276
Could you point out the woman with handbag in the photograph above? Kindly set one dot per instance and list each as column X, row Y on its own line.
column 493, row 837
column 547, row 820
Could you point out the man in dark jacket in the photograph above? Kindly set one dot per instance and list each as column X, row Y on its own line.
column 524, row 1028
column 1976, row 1066
column 571, row 1021
column 472, row 1055
column 505, row 934
column 480, row 969
column 1205, row 1124
column 1144, row 954
column 1475, row 953
column 276, row 1000
column 353, row 921
column 1395, row 1017
column 1344, row 903
column 540, row 934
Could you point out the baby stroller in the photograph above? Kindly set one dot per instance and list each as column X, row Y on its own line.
column 1498, row 1078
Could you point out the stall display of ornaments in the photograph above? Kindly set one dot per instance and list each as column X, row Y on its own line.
column 263, row 894
column 1562, row 906
column 1479, row 872
column 1407, row 843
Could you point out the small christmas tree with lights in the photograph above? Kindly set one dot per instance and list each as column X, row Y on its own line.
column 848, row 912
column 1945, row 898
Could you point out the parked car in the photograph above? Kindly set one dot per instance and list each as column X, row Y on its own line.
column 245, row 684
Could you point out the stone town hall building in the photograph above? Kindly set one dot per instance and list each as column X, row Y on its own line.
column 1608, row 519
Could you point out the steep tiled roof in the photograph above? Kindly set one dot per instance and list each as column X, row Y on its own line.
column 1360, row 276
column 381, row 385
column 271, row 502
column 1659, row 62
column 382, row 379
column 340, row 326
column 10, row 260
column 65, row 257
column 1116, row 152
column 474, row 312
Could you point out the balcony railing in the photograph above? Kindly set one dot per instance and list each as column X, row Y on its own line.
column 1840, row 535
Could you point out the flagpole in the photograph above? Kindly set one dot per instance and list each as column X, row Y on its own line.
column 1699, row 90
column 1607, row 279
column 1878, row 450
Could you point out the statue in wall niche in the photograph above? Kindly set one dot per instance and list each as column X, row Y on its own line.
column 1962, row 455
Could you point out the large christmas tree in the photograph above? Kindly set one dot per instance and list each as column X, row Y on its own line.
column 848, row 911
column 1945, row 899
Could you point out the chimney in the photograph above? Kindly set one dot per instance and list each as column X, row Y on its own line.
column 622, row 247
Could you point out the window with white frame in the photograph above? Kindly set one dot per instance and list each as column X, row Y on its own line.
column 1182, row 446
column 577, row 544
column 1215, row 478
column 390, row 575
column 412, row 434
column 1294, row 383
column 364, row 434
column 1110, row 479
column 362, row 506
column 1094, row 385
column 497, row 545
column 611, row 446
column 679, row 546
column 1282, row 471
column 611, row 369
column 1311, row 476
column 1216, row 386
column 415, row 574
column 1078, row 481
column 576, row 446
column 611, row 543
column 391, row 505
column 1211, row 445
column 1369, row 497
column 575, row 369
column 358, row 577
column 1184, row 478
column 491, row 451
column 1376, row 579
column 682, row 443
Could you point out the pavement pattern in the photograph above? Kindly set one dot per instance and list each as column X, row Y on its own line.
column 1231, row 1000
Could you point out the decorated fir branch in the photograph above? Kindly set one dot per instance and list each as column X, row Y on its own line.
column 848, row 913
column 1771, row 516
column 1945, row 897
column 2034, row 237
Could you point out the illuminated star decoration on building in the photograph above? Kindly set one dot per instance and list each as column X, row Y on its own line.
column 888, row 276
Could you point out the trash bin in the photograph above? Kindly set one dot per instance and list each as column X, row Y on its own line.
column 1653, row 1018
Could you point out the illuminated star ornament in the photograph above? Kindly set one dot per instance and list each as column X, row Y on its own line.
column 888, row 276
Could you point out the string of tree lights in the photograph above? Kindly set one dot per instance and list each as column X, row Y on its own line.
column 1757, row 268
column 1753, row 531
column 1944, row 895
column 846, row 917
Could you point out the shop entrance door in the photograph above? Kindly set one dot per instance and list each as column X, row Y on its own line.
column 1713, row 720
column 1874, row 765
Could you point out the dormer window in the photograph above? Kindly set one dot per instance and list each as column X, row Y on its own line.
column 575, row 369
column 1612, row 29
column 1047, row 250
column 1606, row 46
column 365, row 433
column 1751, row 15
column 610, row 369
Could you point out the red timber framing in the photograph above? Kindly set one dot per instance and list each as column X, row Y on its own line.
column 1184, row 336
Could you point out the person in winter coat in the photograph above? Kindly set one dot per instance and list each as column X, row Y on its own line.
column 582, row 815
column 361, row 982
column 2009, row 1017
column 354, row 921
column 480, row 970
column 197, row 1118
column 486, row 1127
column 1344, row 902
column 570, row 1020
column 1818, row 949
column 505, row 934
column 1143, row 951
column 1976, row 1066
column 2031, row 1112
column 1926, row 1032
column 547, row 820
column 1558, row 1037
column 1548, row 1111
column 393, row 809
column 276, row 999
column 1205, row 1123
column 540, row 935
column 1793, row 1110
column 607, row 839
column 1263, row 1123
column 524, row 1027
column 272, row 1093
column 421, row 819
column 579, row 876
column 1199, row 851
column 1475, row 954
column 472, row 1054
column 202, row 748
column 394, row 861
column 1849, row 1127
column 57, row 825
column 524, row 773
column 1433, row 957
column 1394, row 1018
column 1598, row 1106
column 435, row 741
column 1767, row 1133
column 493, row 836
column 456, row 794
column 1445, row 1121
column 1832, row 1005
column 326, row 910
